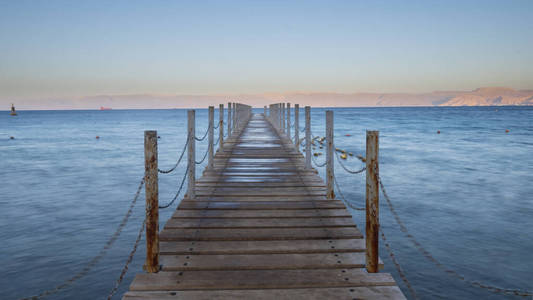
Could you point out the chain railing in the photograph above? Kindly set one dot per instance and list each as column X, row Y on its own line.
column 177, row 163
column 100, row 255
column 205, row 134
column 178, row 192
column 430, row 257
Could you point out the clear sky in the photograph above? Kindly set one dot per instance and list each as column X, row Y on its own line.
column 77, row 48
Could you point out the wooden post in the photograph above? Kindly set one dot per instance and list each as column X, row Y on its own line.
column 308, row 137
column 297, row 126
column 330, row 193
column 234, row 117
column 229, row 119
column 211, row 137
column 283, row 117
column 191, row 173
column 372, row 201
column 265, row 111
column 221, row 126
column 289, row 120
column 152, row 202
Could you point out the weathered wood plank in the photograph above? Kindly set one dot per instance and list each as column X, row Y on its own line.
column 282, row 261
column 235, row 213
column 258, row 279
column 348, row 292
column 260, row 205
column 263, row 247
column 259, row 234
column 259, row 223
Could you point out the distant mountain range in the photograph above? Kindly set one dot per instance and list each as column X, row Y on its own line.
column 480, row 97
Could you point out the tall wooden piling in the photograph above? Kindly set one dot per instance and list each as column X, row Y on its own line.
column 372, row 201
column 289, row 120
column 330, row 193
column 211, row 137
column 308, row 137
column 229, row 119
column 283, row 118
column 234, row 118
column 152, row 202
column 265, row 110
column 221, row 126
column 297, row 126
column 191, row 172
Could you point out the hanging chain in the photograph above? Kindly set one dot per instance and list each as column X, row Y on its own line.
column 100, row 255
column 128, row 261
column 429, row 256
column 397, row 265
column 177, row 163
column 179, row 190
column 346, row 201
column 345, row 168
column 203, row 137
column 203, row 159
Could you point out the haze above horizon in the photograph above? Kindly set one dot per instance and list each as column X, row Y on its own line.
column 65, row 49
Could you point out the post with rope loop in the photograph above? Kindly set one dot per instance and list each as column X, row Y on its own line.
column 229, row 119
column 211, row 137
column 221, row 126
column 191, row 171
column 297, row 127
column 372, row 201
column 308, row 137
column 289, row 120
column 152, row 201
column 330, row 193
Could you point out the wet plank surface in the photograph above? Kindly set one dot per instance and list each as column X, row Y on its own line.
column 260, row 227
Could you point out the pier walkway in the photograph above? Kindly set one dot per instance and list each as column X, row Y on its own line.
column 260, row 227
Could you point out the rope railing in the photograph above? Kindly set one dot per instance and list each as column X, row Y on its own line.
column 205, row 134
column 204, row 157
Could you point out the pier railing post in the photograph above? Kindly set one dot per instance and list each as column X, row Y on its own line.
column 211, row 137
column 289, row 120
column 265, row 111
column 297, row 126
column 221, row 126
column 191, row 173
column 372, row 201
column 152, row 202
column 330, row 194
column 234, row 118
column 229, row 119
column 308, row 137
column 283, row 118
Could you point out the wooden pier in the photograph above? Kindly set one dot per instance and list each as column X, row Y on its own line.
column 259, row 225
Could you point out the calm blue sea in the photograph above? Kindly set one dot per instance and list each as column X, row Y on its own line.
column 466, row 194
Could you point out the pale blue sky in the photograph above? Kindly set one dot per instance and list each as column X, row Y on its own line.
column 76, row 48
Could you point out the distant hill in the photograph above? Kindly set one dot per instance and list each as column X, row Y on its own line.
column 485, row 96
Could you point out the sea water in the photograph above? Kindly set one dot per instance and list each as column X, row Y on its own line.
column 465, row 194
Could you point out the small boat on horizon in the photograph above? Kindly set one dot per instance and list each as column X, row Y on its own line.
column 105, row 108
column 13, row 111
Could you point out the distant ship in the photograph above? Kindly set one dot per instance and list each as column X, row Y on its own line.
column 105, row 108
column 13, row 111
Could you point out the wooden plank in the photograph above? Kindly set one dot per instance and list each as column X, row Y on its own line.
column 282, row 261
column 259, row 234
column 262, row 247
column 258, row 279
column 261, row 205
column 348, row 292
column 235, row 213
column 259, row 223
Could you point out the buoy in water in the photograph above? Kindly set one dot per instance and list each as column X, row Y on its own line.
column 438, row 131
column 343, row 156
column 158, row 137
column 97, row 137
column 506, row 130
column 347, row 134
column 11, row 137
column 350, row 153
